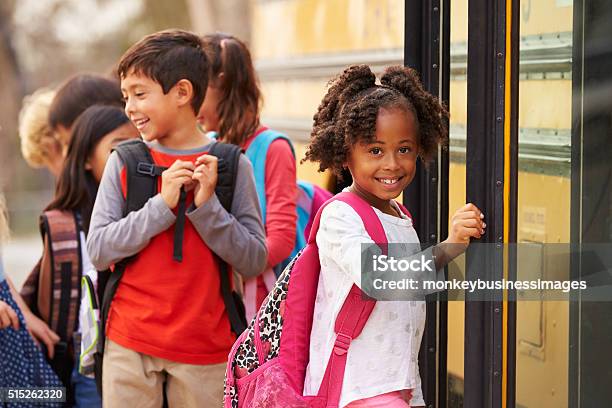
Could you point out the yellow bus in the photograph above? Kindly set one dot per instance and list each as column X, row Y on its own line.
column 529, row 87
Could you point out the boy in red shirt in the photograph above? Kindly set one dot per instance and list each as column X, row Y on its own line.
column 167, row 321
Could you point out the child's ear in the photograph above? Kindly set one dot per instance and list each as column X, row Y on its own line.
column 184, row 91
column 88, row 165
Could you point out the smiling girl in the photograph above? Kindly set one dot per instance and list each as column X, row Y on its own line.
column 377, row 132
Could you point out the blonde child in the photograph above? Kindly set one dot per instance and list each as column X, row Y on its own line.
column 39, row 146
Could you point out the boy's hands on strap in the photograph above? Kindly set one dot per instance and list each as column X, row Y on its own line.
column 205, row 174
column 176, row 176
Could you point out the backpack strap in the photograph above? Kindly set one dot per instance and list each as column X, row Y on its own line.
column 227, row 168
column 357, row 306
column 141, row 172
column 369, row 218
column 141, row 185
column 228, row 158
column 257, row 153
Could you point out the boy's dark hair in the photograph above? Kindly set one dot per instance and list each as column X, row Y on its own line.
column 240, row 101
column 348, row 112
column 76, row 187
column 167, row 57
column 80, row 92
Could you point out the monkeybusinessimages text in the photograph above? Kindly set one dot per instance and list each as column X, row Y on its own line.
column 423, row 266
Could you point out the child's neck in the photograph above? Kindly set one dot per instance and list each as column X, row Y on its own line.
column 185, row 138
column 383, row 205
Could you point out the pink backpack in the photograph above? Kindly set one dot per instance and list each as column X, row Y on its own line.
column 267, row 364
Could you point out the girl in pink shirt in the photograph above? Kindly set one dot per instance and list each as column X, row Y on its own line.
column 231, row 109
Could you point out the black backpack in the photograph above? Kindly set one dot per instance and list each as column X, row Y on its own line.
column 142, row 174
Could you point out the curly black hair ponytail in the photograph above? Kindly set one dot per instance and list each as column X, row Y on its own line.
column 328, row 145
column 431, row 115
column 349, row 111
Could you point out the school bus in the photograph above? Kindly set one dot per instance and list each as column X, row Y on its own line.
column 528, row 84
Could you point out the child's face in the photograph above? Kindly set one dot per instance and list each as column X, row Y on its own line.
column 381, row 170
column 97, row 160
column 152, row 112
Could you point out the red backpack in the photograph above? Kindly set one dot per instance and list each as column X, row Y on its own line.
column 267, row 364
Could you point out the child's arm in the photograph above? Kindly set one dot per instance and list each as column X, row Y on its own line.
column 113, row 237
column 238, row 238
column 38, row 329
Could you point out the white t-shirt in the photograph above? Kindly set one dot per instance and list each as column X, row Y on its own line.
column 384, row 358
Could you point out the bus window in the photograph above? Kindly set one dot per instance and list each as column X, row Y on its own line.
column 565, row 147
column 545, row 99
column 590, row 326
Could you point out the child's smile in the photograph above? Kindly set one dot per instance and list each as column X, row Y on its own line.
column 140, row 123
column 383, row 168
column 390, row 182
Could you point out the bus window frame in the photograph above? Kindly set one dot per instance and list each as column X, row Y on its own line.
column 492, row 150
column 427, row 50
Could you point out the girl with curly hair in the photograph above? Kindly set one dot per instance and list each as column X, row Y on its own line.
column 376, row 132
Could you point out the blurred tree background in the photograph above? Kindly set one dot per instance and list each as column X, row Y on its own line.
column 42, row 42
